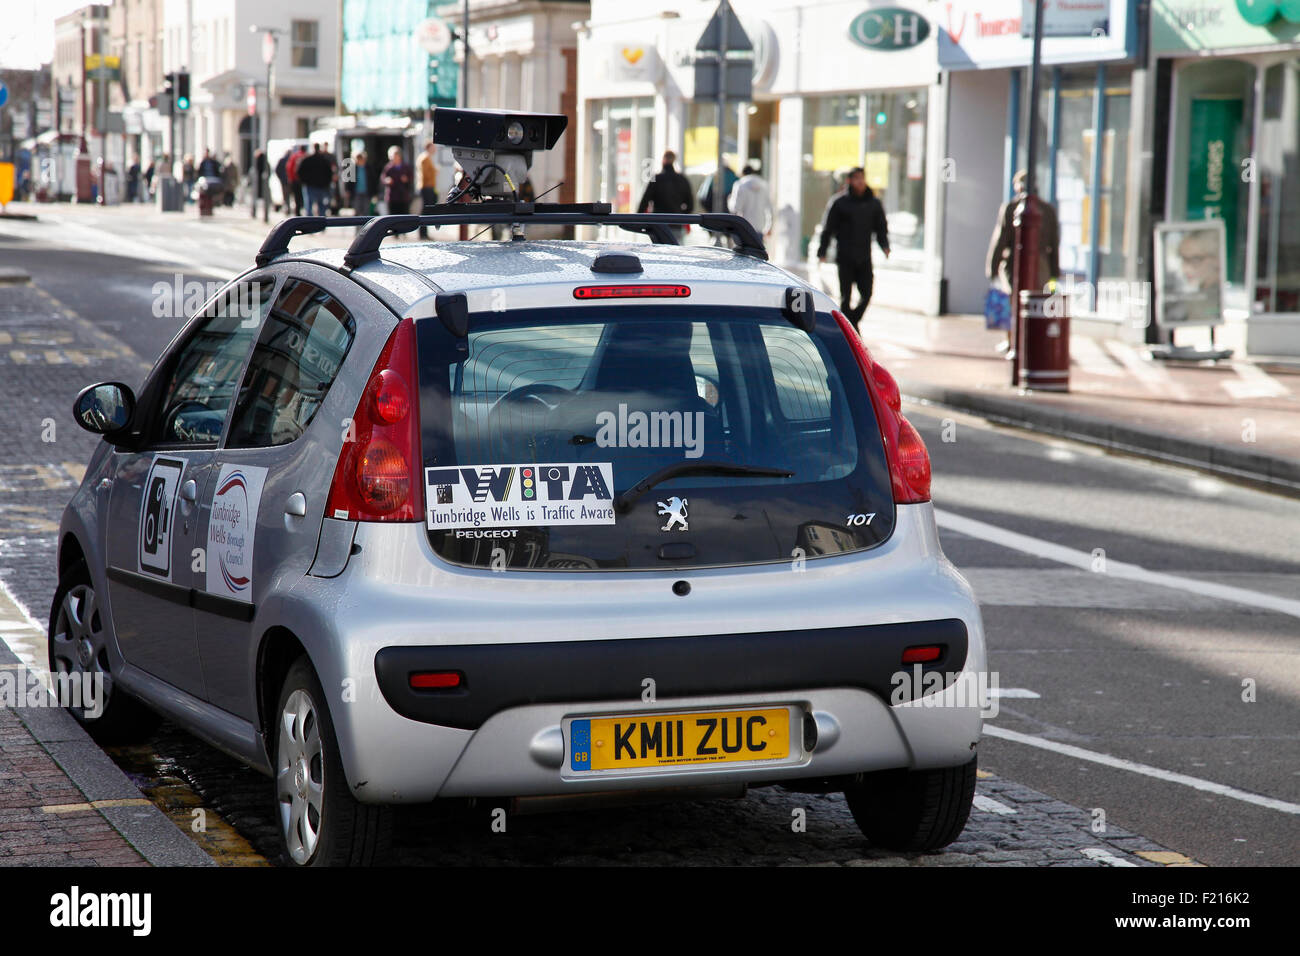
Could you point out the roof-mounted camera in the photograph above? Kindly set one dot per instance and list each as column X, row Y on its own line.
column 495, row 147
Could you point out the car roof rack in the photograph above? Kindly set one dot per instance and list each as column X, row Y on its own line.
column 276, row 242
column 365, row 247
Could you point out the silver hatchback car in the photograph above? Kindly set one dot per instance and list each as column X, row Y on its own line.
column 520, row 520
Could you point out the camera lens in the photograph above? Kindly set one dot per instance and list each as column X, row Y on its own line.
column 515, row 133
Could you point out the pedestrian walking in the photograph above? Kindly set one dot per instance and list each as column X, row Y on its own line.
column 853, row 217
column 133, row 181
column 426, row 181
column 1002, row 250
column 209, row 168
column 316, row 175
column 1002, row 246
column 188, row 177
column 148, row 179
column 360, row 198
column 396, row 180
column 230, row 179
column 729, row 179
column 669, row 191
column 282, row 174
column 751, row 200
column 291, row 172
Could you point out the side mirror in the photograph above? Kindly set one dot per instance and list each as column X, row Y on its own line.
column 105, row 408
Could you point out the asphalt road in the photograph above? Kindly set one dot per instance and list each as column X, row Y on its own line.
column 1122, row 693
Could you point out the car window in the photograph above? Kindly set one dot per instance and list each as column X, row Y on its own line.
column 205, row 370
column 608, row 396
column 298, row 354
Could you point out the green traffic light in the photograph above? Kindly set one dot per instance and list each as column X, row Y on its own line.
column 881, row 118
column 182, row 103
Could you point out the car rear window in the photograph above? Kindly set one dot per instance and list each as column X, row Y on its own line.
column 541, row 427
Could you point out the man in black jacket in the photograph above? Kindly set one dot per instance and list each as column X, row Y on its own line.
column 852, row 218
column 669, row 191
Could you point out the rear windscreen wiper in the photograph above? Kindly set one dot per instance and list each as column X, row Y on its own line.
column 723, row 468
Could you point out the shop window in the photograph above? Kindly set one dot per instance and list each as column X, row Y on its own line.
column 883, row 132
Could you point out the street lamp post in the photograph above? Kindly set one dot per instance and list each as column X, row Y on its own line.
column 1028, row 216
column 270, row 42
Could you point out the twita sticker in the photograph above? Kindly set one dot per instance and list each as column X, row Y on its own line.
column 527, row 495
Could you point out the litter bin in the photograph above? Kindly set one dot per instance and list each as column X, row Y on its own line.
column 170, row 195
column 1045, row 342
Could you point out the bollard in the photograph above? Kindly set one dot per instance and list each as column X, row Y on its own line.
column 1045, row 364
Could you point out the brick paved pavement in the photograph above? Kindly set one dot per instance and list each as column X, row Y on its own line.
column 45, row 820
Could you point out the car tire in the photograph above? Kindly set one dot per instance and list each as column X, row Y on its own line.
column 321, row 823
column 913, row 810
column 78, row 645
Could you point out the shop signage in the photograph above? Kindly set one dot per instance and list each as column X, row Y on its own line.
column 633, row 63
column 1067, row 18
column 1195, row 25
column 1211, row 166
column 889, row 28
column 992, row 34
column 1262, row 12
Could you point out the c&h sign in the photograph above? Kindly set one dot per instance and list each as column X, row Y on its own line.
column 889, row 28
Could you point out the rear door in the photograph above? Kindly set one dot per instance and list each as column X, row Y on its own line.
column 153, row 524
column 271, row 477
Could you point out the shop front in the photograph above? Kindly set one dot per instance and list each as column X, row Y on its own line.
column 1232, row 150
column 1088, row 83
column 835, row 85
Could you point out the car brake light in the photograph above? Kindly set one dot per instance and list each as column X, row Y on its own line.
column 632, row 292
column 922, row 655
column 392, row 397
column 909, row 460
column 431, row 680
column 377, row 477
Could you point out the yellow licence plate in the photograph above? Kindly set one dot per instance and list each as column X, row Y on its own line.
column 663, row 740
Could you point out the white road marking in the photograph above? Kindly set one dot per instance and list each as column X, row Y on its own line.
column 1091, row 358
column 894, row 351
column 1154, row 378
column 1104, row 856
column 1115, row 569
column 1120, row 763
column 1019, row 693
column 1255, row 383
column 989, row 805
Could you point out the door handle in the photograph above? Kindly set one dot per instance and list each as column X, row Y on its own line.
column 296, row 506
column 190, row 491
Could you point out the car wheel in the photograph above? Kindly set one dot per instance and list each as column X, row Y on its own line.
column 913, row 810
column 78, row 648
column 321, row 823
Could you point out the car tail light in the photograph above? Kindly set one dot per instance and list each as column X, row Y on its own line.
column 632, row 292
column 435, row 680
column 377, row 477
column 922, row 655
column 909, row 461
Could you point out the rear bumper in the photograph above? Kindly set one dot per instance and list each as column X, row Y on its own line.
column 539, row 650
column 497, row 677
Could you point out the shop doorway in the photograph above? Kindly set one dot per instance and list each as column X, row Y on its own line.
column 1277, row 264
